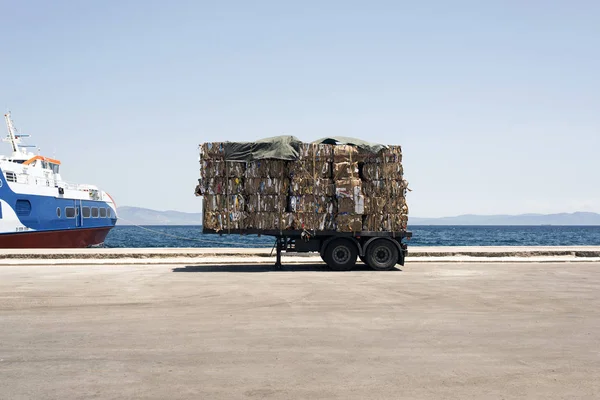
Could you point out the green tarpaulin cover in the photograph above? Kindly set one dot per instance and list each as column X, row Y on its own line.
column 285, row 147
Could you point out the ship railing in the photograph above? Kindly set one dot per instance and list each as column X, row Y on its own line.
column 51, row 182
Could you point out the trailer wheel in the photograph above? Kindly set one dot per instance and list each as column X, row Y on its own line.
column 382, row 255
column 340, row 255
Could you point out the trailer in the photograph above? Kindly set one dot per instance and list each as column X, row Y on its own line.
column 381, row 251
column 341, row 197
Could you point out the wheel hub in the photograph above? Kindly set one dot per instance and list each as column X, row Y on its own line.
column 382, row 255
column 341, row 255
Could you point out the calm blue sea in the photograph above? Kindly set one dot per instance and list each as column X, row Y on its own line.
column 191, row 236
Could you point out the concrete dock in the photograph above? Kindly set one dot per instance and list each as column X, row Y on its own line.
column 432, row 330
column 213, row 255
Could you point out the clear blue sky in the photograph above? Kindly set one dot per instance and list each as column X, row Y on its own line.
column 496, row 103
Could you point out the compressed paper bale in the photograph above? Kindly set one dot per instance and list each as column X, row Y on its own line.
column 345, row 170
column 384, row 188
column 306, row 186
column 267, row 186
column 348, row 188
column 349, row 153
column 313, row 151
column 392, row 171
column 384, row 222
column 381, row 205
column 269, row 221
column 349, row 223
column 266, row 203
column 221, row 169
column 221, row 186
column 212, row 151
column 389, row 154
column 324, row 222
column 310, row 203
column 212, row 169
column 375, row 205
column 304, row 220
column 267, row 168
column 355, row 205
column 309, row 169
column 220, row 221
column 314, row 221
column 223, row 203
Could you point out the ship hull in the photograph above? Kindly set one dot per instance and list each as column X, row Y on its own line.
column 68, row 238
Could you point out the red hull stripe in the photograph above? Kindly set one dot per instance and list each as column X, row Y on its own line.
column 67, row 238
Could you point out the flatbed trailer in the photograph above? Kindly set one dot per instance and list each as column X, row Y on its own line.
column 340, row 250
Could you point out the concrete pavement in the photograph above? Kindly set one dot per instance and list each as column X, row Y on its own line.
column 430, row 331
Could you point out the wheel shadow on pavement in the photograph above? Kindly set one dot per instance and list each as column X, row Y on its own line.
column 268, row 268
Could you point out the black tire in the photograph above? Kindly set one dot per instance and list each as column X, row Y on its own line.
column 340, row 255
column 382, row 255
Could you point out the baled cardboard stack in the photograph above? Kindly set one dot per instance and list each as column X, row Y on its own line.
column 327, row 187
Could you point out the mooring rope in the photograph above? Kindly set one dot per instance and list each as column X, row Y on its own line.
column 184, row 238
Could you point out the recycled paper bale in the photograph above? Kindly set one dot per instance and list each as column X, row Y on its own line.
column 266, row 169
column 384, row 188
column 265, row 203
column 219, row 202
column 355, row 205
column 349, row 223
column 314, row 151
column 267, row 186
column 348, row 188
column 384, row 222
column 221, row 169
column 222, row 186
column 220, row 221
column 348, row 153
column 345, row 170
column 281, row 183
column 314, row 221
column 310, row 169
column 212, row 151
column 382, row 171
column 313, row 204
column 375, row 205
column 309, row 186
column 269, row 221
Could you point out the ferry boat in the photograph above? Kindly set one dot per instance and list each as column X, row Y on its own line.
column 38, row 209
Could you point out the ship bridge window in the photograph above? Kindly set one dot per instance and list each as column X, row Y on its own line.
column 11, row 176
column 103, row 213
column 85, row 211
column 54, row 168
column 70, row 212
column 23, row 208
column 95, row 212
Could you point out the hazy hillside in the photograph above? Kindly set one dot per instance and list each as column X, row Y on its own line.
column 577, row 218
column 145, row 216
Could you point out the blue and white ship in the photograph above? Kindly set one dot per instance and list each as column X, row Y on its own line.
column 38, row 209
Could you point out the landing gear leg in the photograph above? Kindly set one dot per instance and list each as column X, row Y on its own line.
column 279, row 245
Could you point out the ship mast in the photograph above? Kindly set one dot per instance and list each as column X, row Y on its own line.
column 14, row 137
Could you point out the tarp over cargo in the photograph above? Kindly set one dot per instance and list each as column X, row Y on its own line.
column 285, row 148
column 361, row 144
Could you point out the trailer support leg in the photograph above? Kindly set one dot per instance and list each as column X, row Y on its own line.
column 279, row 245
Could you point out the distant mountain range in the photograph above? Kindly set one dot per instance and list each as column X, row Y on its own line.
column 576, row 218
column 145, row 216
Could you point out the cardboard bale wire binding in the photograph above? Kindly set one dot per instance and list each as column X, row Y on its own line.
column 280, row 183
